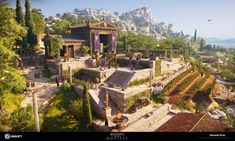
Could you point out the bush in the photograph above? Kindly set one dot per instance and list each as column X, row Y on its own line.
column 138, row 82
column 158, row 68
column 46, row 73
column 131, row 100
column 182, row 105
column 65, row 87
column 79, row 82
column 75, row 109
column 159, row 98
column 87, row 116
column 18, row 83
column 22, row 120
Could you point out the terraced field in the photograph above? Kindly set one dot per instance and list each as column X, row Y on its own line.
column 184, row 94
column 187, row 87
column 174, row 90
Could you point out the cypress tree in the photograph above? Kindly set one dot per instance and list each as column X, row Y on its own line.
column 20, row 20
column 19, row 13
column 31, row 36
column 87, row 117
column 195, row 36
column 202, row 44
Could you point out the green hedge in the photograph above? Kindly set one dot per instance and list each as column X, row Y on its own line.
column 79, row 82
column 158, row 68
column 126, row 62
column 88, row 74
column 138, row 82
column 131, row 100
column 159, row 98
column 170, row 85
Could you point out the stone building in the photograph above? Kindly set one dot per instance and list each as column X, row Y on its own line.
column 100, row 37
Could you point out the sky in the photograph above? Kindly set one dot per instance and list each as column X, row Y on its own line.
column 185, row 15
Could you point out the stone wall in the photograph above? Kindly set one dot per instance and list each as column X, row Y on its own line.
column 96, row 104
column 117, row 97
column 75, row 64
column 29, row 61
column 146, row 121
column 124, row 100
column 167, row 66
column 141, row 74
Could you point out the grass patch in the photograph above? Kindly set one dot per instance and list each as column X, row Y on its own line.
column 58, row 117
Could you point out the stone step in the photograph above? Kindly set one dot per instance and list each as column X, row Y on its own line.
column 120, row 78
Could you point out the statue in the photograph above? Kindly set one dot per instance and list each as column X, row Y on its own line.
column 106, row 100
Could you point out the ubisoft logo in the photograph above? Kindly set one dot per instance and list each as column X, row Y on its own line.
column 7, row 136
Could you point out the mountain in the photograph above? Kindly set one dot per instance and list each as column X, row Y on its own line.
column 140, row 20
column 228, row 43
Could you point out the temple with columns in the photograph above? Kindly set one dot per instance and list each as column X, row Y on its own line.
column 100, row 37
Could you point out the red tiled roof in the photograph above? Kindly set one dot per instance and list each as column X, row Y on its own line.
column 185, row 122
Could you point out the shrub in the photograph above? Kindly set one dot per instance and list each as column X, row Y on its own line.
column 65, row 87
column 75, row 109
column 46, row 73
column 138, row 82
column 22, row 120
column 159, row 98
column 79, row 82
column 158, row 68
column 87, row 117
column 131, row 100
column 182, row 105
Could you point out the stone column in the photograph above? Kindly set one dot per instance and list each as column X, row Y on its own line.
column 59, row 71
column 171, row 54
column 107, row 109
column 70, row 75
column 150, row 78
column 36, row 118
column 165, row 56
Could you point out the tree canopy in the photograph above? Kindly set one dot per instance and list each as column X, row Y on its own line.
column 38, row 20
column 10, row 31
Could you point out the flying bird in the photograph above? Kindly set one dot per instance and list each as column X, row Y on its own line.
column 209, row 20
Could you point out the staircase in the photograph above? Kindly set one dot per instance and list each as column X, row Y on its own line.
column 120, row 78
column 98, row 96
column 101, row 95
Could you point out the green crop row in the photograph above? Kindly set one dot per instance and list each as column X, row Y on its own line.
column 198, row 87
column 185, row 84
column 169, row 86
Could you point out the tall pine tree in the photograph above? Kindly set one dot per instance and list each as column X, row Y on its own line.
column 20, row 20
column 195, row 36
column 19, row 13
column 31, row 36
column 87, row 116
column 202, row 44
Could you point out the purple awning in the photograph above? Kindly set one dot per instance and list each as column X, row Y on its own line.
column 96, row 41
column 113, row 41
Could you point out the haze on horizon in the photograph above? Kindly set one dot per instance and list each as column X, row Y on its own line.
column 185, row 15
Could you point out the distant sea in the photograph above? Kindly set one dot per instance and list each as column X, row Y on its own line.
column 227, row 43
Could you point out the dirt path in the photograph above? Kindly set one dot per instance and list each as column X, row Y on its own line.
column 43, row 94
